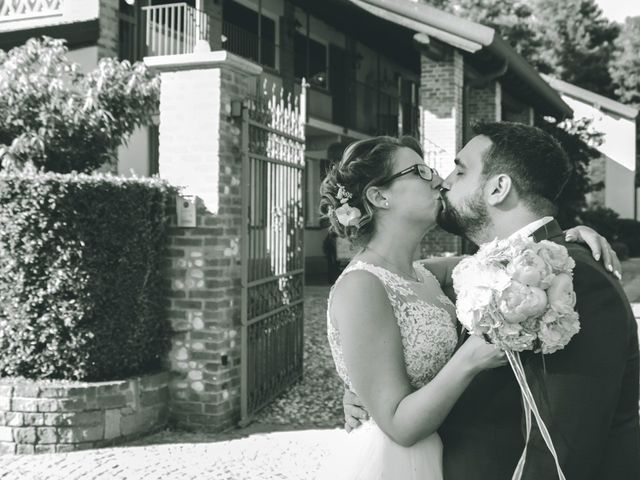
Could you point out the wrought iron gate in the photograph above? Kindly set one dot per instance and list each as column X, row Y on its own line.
column 272, row 246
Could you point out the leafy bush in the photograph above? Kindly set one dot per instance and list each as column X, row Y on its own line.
column 580, row 141
column 621, row 249
column 82, row 295
column 623, row 233
column 603, row 220
column 629, row 233
column 62, row 120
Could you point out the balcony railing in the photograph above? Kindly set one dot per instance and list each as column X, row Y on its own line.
column 174, row 29
column 23, row 9
column 248, row 45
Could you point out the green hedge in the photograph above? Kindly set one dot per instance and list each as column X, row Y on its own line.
column 623, row 233
column 82, row 294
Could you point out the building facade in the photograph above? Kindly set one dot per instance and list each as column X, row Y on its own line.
column 615, row 170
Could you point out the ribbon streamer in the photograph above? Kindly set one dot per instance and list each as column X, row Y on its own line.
column 530, row 407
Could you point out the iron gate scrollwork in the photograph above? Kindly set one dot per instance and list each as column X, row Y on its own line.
column 272, row 246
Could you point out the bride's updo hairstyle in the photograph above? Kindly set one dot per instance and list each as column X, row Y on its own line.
column 364, row 164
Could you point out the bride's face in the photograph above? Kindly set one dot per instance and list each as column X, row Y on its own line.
column 410, row 196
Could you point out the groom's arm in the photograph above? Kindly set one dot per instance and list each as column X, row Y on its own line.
column 578, row 393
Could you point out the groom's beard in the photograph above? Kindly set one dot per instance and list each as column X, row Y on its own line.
column 467, row 221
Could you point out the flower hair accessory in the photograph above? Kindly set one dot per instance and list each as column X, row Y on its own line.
column 343, row 195
column 346, row 214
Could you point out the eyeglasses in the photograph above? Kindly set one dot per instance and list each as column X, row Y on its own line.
column 425, row 172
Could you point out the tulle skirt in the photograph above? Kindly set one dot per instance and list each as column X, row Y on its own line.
column 369, row 454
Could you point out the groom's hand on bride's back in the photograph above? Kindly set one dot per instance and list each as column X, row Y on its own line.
column 354, row 412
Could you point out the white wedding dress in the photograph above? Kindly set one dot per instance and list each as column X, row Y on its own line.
column 426, row 319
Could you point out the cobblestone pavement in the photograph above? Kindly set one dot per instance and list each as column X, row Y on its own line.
column 291, row 455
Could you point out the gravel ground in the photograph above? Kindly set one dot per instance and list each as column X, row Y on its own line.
column 317, row 399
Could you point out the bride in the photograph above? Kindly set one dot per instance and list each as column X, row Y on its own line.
column 391, row 329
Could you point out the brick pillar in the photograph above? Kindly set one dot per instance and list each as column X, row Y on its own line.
column 525, row 115
column 109, row 23
column 287, row 57
column 484, row 103
column 441, row 102
column 213, row 8
column 200, row 150
column 441, row 94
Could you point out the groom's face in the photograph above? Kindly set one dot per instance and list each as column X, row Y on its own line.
column 465, row 210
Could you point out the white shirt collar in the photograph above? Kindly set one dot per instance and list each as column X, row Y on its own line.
column 528, row 230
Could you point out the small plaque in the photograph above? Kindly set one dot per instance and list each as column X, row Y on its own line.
column 186, row 210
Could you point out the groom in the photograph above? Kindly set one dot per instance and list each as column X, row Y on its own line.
column 505, row 183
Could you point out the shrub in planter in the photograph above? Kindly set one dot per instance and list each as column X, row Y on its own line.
column 621, row 249
column 629, row 233
column 82, row 295
column 603, row 220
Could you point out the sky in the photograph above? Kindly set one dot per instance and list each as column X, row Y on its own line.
column 618, row 10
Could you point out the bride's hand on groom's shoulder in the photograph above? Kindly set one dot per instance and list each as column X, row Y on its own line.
column 354, row 412
column 600, row 247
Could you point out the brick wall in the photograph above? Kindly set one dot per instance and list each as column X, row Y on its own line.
column 525, row 115
column 484, row 103
column 440, row 243
column 109, row 38
column 42, row 416
column 200, row 150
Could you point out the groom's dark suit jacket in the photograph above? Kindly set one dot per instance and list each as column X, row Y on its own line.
column 588, row 396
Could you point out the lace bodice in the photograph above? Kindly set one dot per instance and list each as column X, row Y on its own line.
column 425, row 316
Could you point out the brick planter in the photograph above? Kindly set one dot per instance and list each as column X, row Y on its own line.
column 49, row 416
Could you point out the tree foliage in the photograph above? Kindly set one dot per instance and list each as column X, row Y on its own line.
column 62, row 120
column 625, row 64
column 578, row 42
column 580, row 140
column 624, row 68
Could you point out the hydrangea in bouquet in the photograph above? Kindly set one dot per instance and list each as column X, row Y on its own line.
column 519, row 294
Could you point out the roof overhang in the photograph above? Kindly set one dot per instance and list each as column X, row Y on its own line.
column 76, row 34
column 473, row 38
column 587, row 96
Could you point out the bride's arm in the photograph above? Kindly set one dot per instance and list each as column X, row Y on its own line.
column 374, row 358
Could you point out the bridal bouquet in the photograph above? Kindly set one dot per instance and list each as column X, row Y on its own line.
column 519, row 294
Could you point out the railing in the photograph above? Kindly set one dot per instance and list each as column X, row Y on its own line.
column 373, row 110
column 248, row 45
column 175, row 28
column 22, row 9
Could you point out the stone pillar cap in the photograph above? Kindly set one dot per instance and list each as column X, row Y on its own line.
column 194, row 61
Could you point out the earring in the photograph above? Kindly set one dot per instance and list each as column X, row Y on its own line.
column 386, row 204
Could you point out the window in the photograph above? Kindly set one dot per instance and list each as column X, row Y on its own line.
column 240, row 28
column 317, row 74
